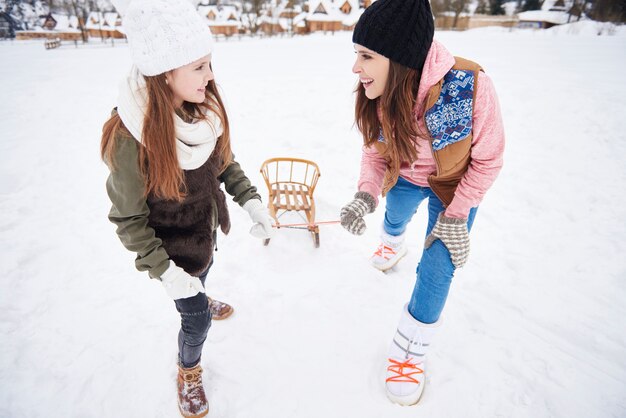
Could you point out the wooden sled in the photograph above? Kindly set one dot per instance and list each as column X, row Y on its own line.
column 291, row 183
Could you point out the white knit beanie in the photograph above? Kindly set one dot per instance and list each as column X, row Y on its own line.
column 164, row 34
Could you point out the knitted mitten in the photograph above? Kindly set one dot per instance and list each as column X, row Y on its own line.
column 454, row 235
column 179, row 284
column 261, row 218
column 352, row 214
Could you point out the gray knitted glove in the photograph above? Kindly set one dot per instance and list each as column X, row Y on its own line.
column 454, row 235
column 352, row 214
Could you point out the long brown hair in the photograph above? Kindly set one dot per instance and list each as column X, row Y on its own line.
column 158, row 160
column 397, row 121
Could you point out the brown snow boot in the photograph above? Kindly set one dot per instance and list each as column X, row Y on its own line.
column 192, row 401
column 219, row 310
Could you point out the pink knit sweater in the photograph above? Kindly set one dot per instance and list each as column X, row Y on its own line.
column 487, row 142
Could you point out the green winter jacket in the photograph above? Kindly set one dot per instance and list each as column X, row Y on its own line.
column 130, row 211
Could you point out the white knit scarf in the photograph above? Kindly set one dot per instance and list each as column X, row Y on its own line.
column 194, row 141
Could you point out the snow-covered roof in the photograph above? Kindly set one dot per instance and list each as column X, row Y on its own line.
column 557, row 18
column 284, row 23
column 65, row 22
column 586, row 27
column 230, row 9
column 550, row 5
column 264, row 19
column 103, row 21
column 323, row 11
column 235, row 23
column 112, row 19
column 323, row 18
column 205, row 11
column 300, row 20
column 354, row 4
column 330, row 11
column 351, row 19
column 452, row 14
column 277, row 8
column 221, row 15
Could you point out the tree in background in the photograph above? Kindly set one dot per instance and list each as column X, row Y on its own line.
column 9, row 5
column 80, row 9
column 495, row 7
column 531, row 5
column 24, row 13
column 609, row 11
column 576, row 11
column 252, row 11
column 439, row 6
column 290, row 8
column 458, row 7
column 482, row 8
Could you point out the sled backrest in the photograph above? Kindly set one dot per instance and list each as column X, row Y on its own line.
column 279, row 172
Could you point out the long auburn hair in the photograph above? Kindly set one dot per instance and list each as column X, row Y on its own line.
column 396, row 119
column 158, row 159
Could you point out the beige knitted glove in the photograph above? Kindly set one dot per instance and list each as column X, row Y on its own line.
column 454, row 235
column 352, row 214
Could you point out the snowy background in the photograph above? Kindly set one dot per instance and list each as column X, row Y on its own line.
column 533, row 325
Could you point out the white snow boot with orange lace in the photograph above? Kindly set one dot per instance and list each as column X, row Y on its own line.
column 405, row 364
column 390, row 250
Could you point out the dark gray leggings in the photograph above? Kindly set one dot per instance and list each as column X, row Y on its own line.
column 195, row 321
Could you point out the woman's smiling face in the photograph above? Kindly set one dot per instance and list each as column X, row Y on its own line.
column 188, row 83
column 372, row 69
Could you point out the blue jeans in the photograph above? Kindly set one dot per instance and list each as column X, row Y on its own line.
column 195, row 321
column 435, row 269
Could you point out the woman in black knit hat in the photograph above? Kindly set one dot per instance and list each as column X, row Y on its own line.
column 432, row 130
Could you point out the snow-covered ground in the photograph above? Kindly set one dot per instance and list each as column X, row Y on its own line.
column 533, row 325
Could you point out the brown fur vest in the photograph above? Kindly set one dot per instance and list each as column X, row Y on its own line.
column 188, row 228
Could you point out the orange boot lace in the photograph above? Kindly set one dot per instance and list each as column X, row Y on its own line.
column 385, row 251
column 401, row 375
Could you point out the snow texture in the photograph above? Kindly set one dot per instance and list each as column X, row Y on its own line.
column 532, row 324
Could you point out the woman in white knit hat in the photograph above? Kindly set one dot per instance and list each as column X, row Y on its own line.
column 167, row 145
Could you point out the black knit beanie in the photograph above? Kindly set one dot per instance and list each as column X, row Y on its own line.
column 401, row 30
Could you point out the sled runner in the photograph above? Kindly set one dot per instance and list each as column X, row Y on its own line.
column 291, row 183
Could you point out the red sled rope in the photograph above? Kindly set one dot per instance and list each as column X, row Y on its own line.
column 305, row 225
